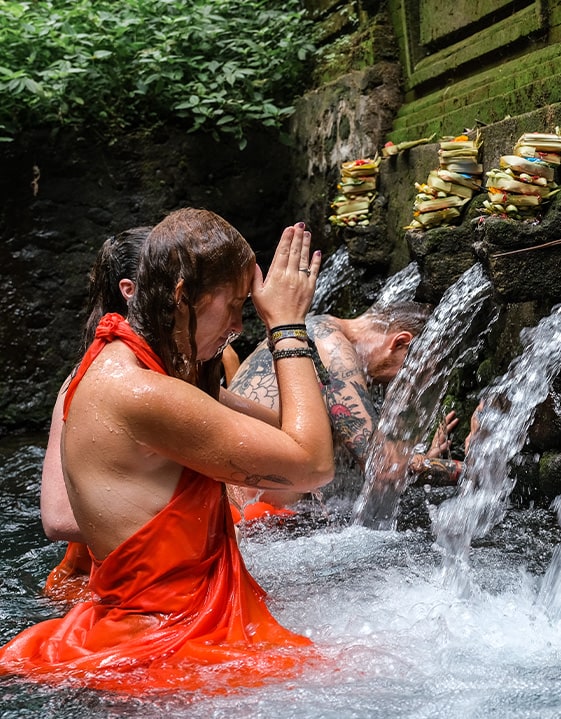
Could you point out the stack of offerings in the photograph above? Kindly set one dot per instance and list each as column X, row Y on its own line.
column 355, row 192
column 524, row 181
column 439, row 201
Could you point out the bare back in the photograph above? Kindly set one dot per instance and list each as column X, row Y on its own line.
column 114, row 482
column 137, row 429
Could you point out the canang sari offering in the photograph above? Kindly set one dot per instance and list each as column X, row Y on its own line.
column 172, row 607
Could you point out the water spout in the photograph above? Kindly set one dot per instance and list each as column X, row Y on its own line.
column 412, row 400
column 485, row 485
column 400, row 287
column 336, row 274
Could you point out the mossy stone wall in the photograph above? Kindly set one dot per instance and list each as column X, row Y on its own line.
column 444, row 66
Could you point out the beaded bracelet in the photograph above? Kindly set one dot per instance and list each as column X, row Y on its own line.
column 292, row 352
column 309, row 351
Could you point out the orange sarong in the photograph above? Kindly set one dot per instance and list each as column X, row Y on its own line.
column 172, row 607
column 68, row 581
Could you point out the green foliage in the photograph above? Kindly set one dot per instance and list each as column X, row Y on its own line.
column 219, row 65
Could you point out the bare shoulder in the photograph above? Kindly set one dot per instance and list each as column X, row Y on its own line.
column 117, row 391
column 336, row 351
column 323, row 327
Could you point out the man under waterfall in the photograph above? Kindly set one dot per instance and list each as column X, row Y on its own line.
column 357, row 353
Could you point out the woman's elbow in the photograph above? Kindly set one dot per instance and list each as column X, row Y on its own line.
column 321, row 475
column 58, row 530
column 53, row 531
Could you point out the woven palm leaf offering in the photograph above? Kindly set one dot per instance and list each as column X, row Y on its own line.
column 525, row 181
column 440, row 200
column 356, row 191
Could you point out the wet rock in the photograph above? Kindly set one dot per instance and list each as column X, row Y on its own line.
column 523, row 259
column 444, row 253
column 63, row 195
column 550, row 474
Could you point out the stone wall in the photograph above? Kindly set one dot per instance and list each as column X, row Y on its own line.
column 349, row 114
column 441, row 67
column 63, row 195
column 402, row 70
column 379, row 64
column 468, row 63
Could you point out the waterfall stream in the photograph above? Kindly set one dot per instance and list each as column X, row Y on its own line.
column 399, row 287
column 454, row 330
column 485, row 485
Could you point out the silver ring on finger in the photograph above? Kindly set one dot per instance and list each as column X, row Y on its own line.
column 304, row 269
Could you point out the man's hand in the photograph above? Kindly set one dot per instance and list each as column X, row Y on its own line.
column 441, row 441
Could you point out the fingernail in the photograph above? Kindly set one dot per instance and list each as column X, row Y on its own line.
column 301, row 224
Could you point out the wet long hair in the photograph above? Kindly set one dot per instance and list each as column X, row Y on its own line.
column 116, row 260
column 207, row 253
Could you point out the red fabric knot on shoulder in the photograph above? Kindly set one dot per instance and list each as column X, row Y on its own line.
column 108, row 327
column 112, row 327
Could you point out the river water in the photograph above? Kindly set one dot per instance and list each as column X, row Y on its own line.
column 404, row 643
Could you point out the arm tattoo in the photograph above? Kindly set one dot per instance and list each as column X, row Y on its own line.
column 320, row 327
column 256, row 481
column 352, row 412
column 256, row 379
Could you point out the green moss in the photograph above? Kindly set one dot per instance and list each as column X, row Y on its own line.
column 486, row 372
column 347, row 49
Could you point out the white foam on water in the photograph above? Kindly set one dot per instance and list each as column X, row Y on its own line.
column 404, row 645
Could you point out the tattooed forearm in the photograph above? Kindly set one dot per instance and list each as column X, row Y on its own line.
column 353, row 417
column 366, row 400
column 260, row 481
column 345, row 423
column 358, row 445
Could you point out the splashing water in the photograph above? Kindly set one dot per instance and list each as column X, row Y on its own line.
column 485, row 485
column 400, row 287
column 338, row 273
column 413, row 397
column 398, row 643
column 335, row 275
column 549, row 596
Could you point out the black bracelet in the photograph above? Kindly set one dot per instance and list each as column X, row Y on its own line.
column 280, row 328
column 312, row 353
column 293, row 352
column 275, row 334
column 279, row 335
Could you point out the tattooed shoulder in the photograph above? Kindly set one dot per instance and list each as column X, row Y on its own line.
column 321, row 326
